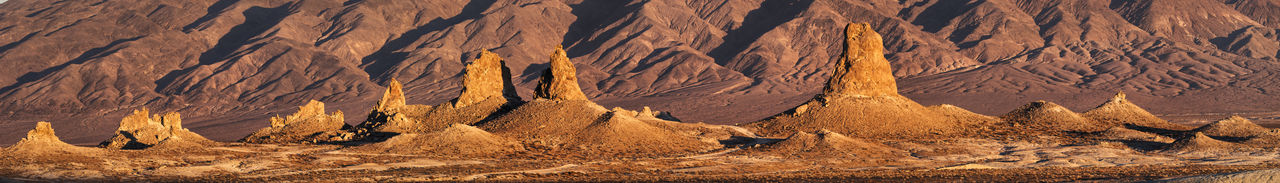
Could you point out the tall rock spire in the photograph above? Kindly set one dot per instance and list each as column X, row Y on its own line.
column 862, row 68
column 392, row 98
column 486, row 77
column 560, row 80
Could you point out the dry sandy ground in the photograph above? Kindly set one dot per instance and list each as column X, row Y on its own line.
column 941, row 160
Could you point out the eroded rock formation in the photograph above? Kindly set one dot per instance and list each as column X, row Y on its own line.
column 42, row 137
column 486, row 90
column 561, row 119
column 860, row 99
column 310, row 124
column 486, row 77
column 560, row 80
column 861, row 68
column 138, row 131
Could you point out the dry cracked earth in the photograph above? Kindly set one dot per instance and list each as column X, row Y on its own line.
column 702, row 90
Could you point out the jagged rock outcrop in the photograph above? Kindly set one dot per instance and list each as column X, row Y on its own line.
column 827, row 144
column 1198, row 142
column 562, row 120
column 1118, row 111
column 309, row 125
column 860, row 98
column 560, row 80
column 1234, row 126
column 138, row 131
column 1049, row 117
column 486, row 90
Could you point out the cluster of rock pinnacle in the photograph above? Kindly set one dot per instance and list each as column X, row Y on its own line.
column 860, row 100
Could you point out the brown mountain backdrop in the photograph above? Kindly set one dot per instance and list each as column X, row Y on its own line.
column 229, row 65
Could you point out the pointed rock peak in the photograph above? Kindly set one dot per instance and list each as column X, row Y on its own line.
column 486, row 77
column 42, row 133
column 560, row 80
column 862, row 68
column 393, row 97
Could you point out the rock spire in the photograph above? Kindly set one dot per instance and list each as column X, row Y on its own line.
column 862, row 68
column 392, row 98
column 560, row 80
column 486, row 77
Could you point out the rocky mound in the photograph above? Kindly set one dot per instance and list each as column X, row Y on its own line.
column 42, row 147
column 1125, row 134
column 561, row 118
column 138, row 131
column 309, row 124
column 455, row 140
column 860, row 98
column 1119, row 111
column 1198, row 142
column 1234, row 126
column 486, row 90
column 828, row 144
column 42, row 140
column 1049, row 117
